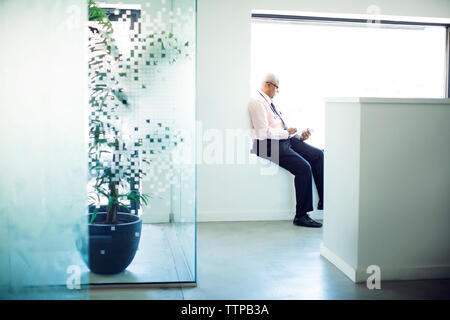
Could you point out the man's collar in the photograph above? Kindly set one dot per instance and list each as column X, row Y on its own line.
column 265, row 96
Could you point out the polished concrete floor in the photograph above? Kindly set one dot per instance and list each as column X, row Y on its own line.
column 263, row 260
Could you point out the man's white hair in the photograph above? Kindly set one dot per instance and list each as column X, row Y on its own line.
column 270, row 77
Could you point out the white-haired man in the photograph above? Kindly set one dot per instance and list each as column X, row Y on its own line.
column 275, row 141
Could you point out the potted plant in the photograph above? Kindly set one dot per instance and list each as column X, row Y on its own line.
column 118, row 156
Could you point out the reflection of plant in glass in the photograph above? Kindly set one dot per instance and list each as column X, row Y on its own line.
column 116, row 156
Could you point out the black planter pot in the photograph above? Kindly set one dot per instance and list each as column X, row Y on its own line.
column 111, row 248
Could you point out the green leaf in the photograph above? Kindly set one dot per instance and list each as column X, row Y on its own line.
column 125, row 206
column 94, row 214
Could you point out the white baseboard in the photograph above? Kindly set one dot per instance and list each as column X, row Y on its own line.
column 347, row 269
column 155, row 217
column 360, row 274
column 217, row 216
column 210, row 216
column 407, row 273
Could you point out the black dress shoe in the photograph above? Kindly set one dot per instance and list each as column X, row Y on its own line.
column 320, row 205
column 306, row 221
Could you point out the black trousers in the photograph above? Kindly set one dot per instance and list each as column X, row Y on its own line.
column 302, row 160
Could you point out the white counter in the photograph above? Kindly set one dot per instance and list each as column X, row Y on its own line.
column 387, row 187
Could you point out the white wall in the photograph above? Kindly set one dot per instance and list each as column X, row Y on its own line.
column 239, row 192
column 388, row 181
column 342, row 238
column 405, row 188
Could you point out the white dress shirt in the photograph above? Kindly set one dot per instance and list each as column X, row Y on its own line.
column 265, row 124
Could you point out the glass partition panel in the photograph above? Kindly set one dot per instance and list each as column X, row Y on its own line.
column 98, row 120
column 141, row 184
column 43, row 124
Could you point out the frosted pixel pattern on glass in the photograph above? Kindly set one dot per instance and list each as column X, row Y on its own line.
column 142, row 120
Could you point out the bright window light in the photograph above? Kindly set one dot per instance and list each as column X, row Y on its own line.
column 327, row 59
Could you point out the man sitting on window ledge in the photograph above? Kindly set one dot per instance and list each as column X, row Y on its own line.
column 273, row 140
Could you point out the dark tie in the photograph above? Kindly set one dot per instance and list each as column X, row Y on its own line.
column 276, row 112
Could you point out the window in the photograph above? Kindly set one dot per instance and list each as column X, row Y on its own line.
column 125, row 20
column 319, row 59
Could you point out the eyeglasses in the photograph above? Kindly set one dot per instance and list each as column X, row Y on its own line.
column 276, row 87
